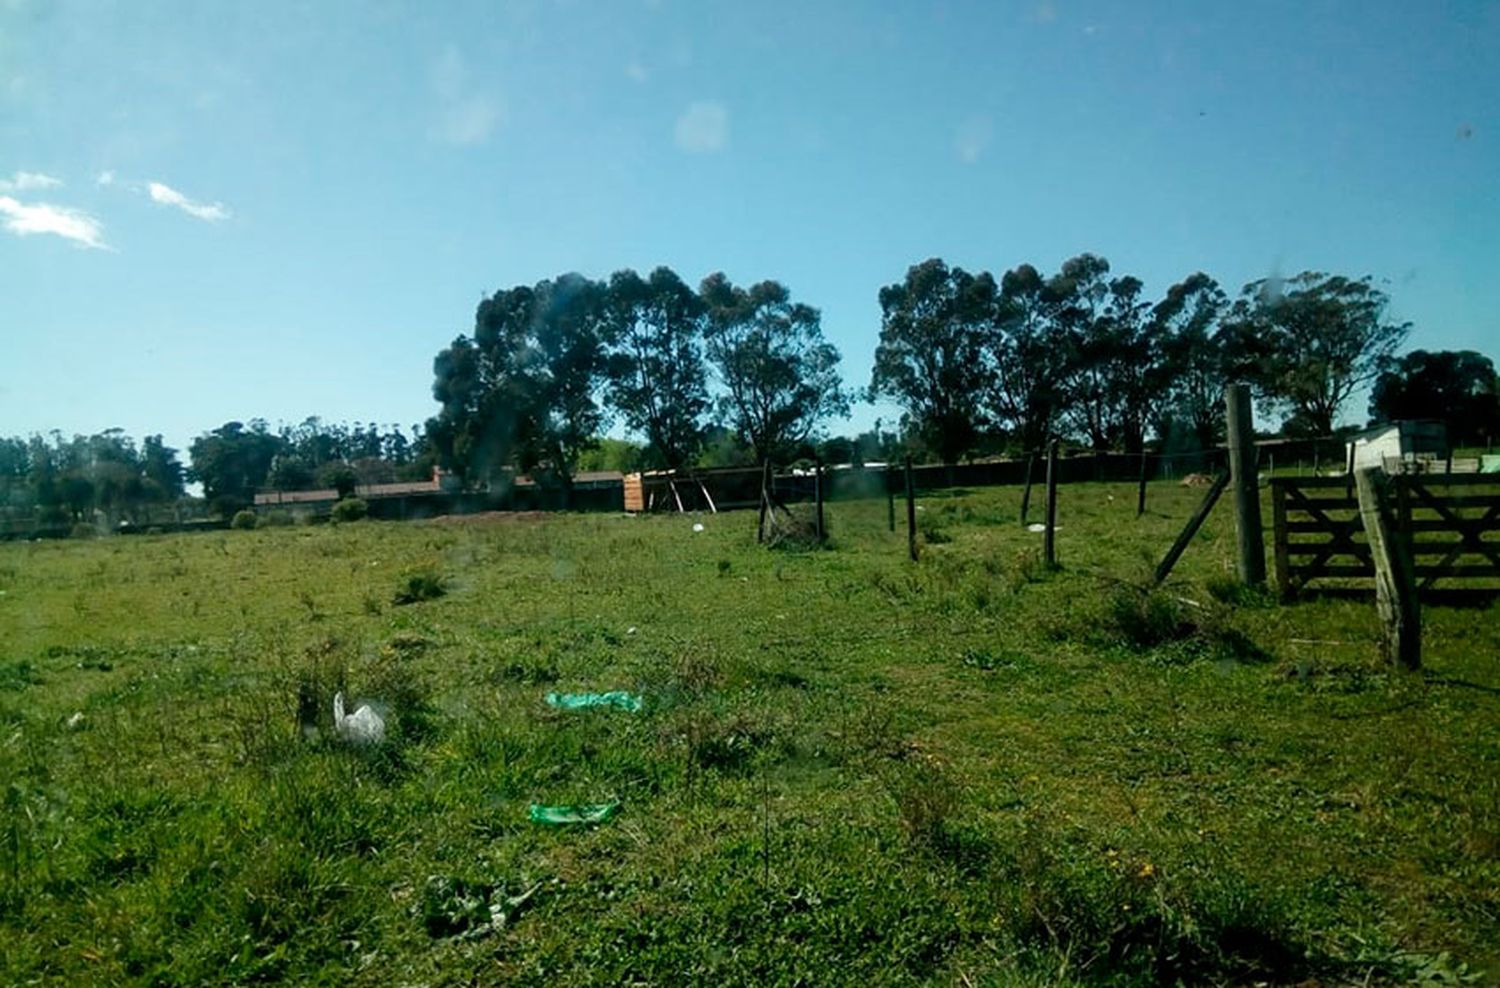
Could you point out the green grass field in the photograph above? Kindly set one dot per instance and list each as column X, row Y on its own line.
column 850, row 769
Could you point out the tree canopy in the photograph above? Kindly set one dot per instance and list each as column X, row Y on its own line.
column 654, row 330
column 1309, row 342
column 1457, row 386
column 779, row 375
column 930, row 359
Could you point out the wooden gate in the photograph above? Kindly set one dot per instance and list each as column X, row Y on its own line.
column 1450, row 525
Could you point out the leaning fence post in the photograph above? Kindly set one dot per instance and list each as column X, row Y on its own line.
column 911, row 514
column 1049, row 542
column 1395, row 583
column 1241, row 434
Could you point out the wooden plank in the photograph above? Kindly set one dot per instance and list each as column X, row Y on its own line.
column 1418, row 525
column 1298, row 550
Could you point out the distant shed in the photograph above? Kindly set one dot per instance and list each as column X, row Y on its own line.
column 1406, row 445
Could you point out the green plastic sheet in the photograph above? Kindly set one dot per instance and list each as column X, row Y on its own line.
column 614, row 698
column 563, row 816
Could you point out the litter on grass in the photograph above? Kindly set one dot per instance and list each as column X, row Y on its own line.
column 364, row 726
column 565, row 816
column 614, row 698
column 1037, row 526
column 698, row 527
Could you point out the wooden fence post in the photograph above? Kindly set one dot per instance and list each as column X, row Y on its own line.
column 1049, row 542
column 765, row 499
column 1395, row 584
column 1026, row 494
column 911, row 513
column 890, row 499
column 1140, row 497
column 1241, row 434
column 818, row 492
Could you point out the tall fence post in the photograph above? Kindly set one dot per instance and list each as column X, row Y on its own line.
column 818, row 492
column 1049, row 541
column 1395, row 583
column 890, row 499
column 1241, row 434
column 911, row 513
column 1140, row 496
column 1026, row 494
column 765, row 499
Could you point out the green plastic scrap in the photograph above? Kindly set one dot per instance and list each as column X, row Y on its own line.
column 614, row 698
column 563, row 816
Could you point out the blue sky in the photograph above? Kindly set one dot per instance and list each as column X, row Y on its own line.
column 214, row 211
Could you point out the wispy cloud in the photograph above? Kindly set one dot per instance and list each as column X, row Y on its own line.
column 635, row 71
column 28, row 181
column 168, row 196
column 972, row 138
column 466, row 114
column 703, row 127
column 104, row 178
column 1044, row 12
column 24, row 219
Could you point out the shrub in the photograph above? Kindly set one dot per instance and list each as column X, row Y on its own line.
column 83, row 530
column 243, row 520
column 417, row 586
column 279, row 517
column 350, row 509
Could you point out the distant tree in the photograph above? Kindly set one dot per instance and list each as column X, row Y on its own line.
column 521, row 392
column 232, row 461
column 1310, row 342
column 657, row 381
column 1457, row 386
column 1186, row 322
column 290, row 472
column 780, row 376
column 1029, row 350
column 163, row 471
column 930, row 356
column 619, row 455
column 724, row 447
column 339, row 477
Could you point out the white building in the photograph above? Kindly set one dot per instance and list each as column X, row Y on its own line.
column 1409, row 445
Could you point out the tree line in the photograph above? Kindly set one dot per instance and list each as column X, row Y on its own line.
column 1081, row 354
column 52, row 481
column 729, row 374
column 547, row 367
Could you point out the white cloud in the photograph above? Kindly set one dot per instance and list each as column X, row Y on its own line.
column 467, row 122
column 466, row 115
column 104, row 178
column 26, row 181
column 24, row 219
column 972, row 138
column 703, row 127
column 168, row 196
